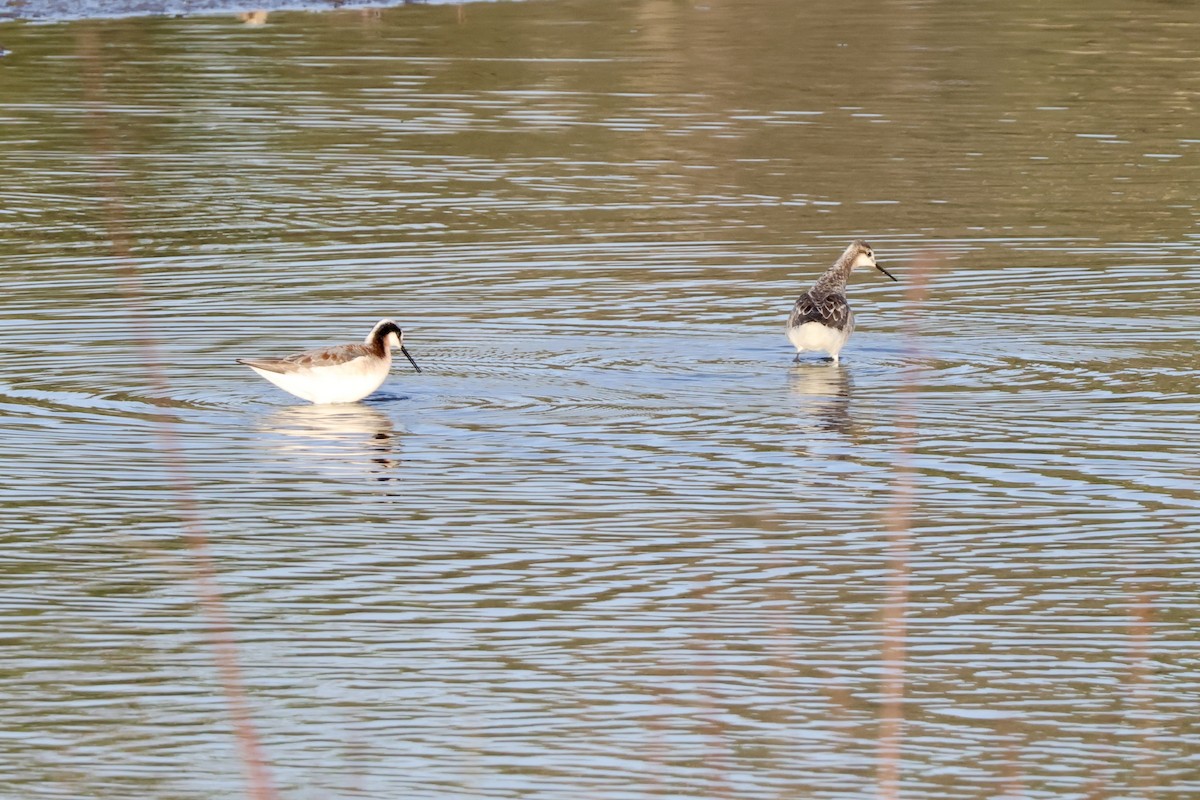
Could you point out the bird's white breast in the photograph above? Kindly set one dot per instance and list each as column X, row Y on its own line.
column 815, row 336
column 340, row 383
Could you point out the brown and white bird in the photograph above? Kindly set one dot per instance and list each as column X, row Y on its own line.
column 822, row 320
column 343, row 373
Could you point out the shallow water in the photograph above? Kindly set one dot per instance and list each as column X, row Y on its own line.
column 612, row 543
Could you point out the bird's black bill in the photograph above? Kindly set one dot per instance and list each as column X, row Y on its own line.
column 408, row 355
column 885, row 272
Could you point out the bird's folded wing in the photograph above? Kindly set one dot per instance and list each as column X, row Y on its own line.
column 278, row 365
column 329, row 356
column 830, row 310
column 313, row 359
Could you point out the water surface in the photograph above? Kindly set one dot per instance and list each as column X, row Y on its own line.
column 613, row 542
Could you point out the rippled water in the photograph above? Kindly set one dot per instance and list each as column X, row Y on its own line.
column 612, row 543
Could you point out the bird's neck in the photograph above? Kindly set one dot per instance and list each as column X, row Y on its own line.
column 379, row 347
column 834, row 279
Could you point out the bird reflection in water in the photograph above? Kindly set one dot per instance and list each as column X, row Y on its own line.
column 349, row 432
column 823, row 391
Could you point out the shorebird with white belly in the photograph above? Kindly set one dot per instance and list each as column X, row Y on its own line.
column 343, row 373
column 822, row 320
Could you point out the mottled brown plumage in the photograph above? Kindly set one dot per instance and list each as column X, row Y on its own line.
column 821, row 318
column 329, row 357
column 830, row 310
